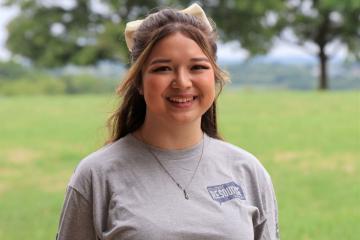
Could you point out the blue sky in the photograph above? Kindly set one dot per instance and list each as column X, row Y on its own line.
column 233, row 51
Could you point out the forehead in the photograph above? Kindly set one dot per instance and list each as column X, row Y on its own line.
column 176, row 45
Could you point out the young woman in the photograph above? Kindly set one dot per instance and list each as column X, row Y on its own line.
column 165, row 172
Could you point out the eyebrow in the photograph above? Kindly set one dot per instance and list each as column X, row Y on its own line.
column 163, row 60
column 200, row 59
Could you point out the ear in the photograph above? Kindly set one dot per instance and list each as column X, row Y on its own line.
column 140, row 90
column 139, row 85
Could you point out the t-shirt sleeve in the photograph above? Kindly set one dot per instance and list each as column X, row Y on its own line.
column 268, row 229
column 76, row 221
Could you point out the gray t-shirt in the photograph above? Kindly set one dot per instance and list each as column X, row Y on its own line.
column 121, row 192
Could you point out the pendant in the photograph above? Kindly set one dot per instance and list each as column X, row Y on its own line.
column 186, row 195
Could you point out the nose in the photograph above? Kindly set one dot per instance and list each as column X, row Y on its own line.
column 182, row 80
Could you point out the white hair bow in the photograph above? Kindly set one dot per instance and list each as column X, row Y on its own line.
column 131, row 27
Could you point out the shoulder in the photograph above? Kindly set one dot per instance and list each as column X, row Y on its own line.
column 234, row 153
column 105, row 155
column 99, row 163
column 229, row 148
column 240, row 161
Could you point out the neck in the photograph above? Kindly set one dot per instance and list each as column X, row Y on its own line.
column 173, row 137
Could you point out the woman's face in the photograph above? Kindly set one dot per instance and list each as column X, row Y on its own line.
column 178, row 81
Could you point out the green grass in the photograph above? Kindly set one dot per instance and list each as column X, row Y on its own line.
column 308, row 141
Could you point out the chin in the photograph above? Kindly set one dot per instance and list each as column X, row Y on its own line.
column 184, row 120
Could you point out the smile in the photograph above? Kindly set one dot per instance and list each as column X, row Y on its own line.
column 181, row 99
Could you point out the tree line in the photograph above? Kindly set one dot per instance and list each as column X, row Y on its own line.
column 16, row 79
column 52, row 34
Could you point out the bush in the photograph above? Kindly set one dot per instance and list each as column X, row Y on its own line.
column 76, row 84
column 28, row 86
column 16, row 79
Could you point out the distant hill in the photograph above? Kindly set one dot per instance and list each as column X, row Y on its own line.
column 262, row 73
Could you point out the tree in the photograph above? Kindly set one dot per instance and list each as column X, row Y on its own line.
column 250, row 22
column 255, row 24
column 322, row 23
column 54, row 34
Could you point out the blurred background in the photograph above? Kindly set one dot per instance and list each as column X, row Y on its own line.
column 293, row 101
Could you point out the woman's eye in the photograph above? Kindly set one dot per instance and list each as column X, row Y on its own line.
column 161, row 69
column 199, row 67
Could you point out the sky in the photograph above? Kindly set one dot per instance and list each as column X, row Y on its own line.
column 6, row 14
column 229, row 51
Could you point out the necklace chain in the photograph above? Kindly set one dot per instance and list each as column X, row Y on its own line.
column 182, row 188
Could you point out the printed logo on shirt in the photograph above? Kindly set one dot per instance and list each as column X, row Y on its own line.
column 226, row 192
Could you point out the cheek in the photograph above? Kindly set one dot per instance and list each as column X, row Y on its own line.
column 153, row 87
column 208, row 87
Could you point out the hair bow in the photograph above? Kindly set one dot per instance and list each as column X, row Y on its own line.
column 131, row 27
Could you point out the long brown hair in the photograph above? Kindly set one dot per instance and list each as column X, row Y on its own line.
column 130, row 114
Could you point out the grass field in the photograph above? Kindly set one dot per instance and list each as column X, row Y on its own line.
column 308, row 141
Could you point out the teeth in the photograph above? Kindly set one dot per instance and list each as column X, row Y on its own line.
column 181, row 100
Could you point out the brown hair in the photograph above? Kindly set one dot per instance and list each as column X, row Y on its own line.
column 130, row 115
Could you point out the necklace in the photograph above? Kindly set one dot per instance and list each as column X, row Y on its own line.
column 182, row 188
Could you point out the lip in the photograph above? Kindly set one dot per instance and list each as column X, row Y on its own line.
column 182, row 101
